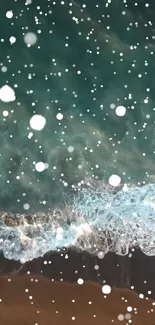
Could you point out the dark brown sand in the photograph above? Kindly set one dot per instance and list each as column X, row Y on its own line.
column 35, row 300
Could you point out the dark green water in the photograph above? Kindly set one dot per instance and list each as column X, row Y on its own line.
column 87, row 56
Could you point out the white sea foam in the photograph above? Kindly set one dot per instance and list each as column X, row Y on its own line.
column 98, row 219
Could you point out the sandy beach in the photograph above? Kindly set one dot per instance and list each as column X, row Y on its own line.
column 36, row 300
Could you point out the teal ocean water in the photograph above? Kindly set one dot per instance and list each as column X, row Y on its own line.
column 77, row 105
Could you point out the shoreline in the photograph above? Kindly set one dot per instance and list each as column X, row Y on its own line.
column 118, row 271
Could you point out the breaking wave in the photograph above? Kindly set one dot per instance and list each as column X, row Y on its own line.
column 98, row 219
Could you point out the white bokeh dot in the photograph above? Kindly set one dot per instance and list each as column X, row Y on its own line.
column 112, row 106
column 114, row 180
column 59, row 116
column 30, row 38
column 106, row 289
column 120, row 317
column 128, row 316
column 129, row 308
column 100, row 255
column 26, row 206
column 7, row 94
column 96, row 267
column 70, row 149
column 141, row 296
column 40, row 166
column 37, row 122
column 120, row 110
column 9, row 14
column 12, row 39
column 80, row 281
column 5, row 113
column 4, row 69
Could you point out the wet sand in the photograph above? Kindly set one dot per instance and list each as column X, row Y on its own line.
column 32, row 299
column 136, row 269
column 45, row 291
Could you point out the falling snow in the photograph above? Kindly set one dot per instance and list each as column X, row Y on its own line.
column 114, row 180
column 30, row 38
column 77, row 175
column 7, row 94
column 37, row 122
column 106, row 289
